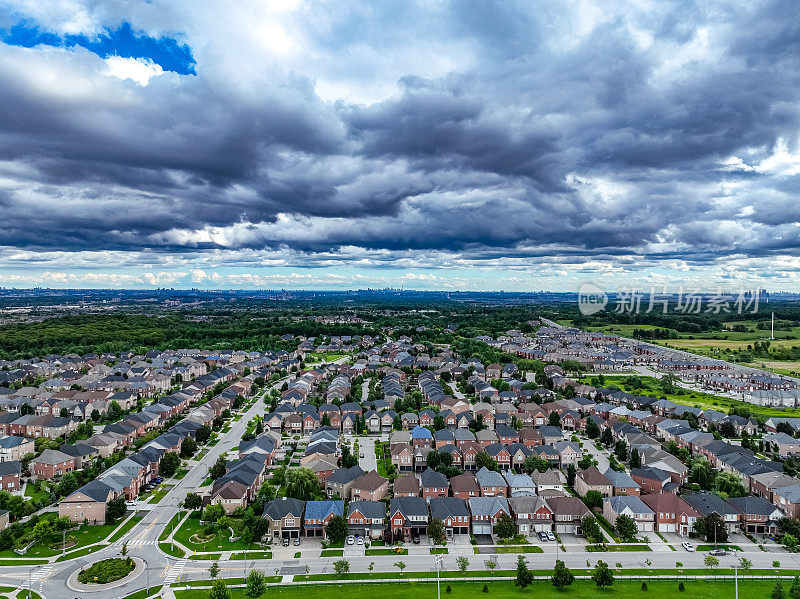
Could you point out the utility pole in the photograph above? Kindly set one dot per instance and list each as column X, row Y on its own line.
column 438, row 588
column 736, row 579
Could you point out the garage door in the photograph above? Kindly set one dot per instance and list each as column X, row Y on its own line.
column 481, row 529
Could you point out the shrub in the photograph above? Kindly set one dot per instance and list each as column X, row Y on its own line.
column 107, row 570
column 644, row 586
column 448, row 589
column 486, row 588
column 681, row 587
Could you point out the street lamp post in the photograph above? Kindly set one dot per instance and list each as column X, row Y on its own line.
column 736, row 580
column 438, row 588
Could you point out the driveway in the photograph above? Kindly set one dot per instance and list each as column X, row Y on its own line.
column 367, row 447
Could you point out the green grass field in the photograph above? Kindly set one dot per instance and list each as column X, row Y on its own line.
column 696, row 399
column 86, row 534
column 40, row 495
column 540, row 590
column 125, row 528
column 220, row 541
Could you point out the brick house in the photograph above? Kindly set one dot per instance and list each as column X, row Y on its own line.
column 369, row 487
column 51, row 463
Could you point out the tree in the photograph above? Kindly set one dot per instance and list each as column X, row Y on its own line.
column 712, row 528
column 606, row 438
column 571, row 473
column 341, row 566
column 625, row 527
column 777, row 592
column 336, row 529
column 218, row 469
column 301, row 483
column 505, row 528
column 400, row 566
column 524, row 575
column 193, row 501
column 203, row 433
column 212, row 512
column 348, row 459
column 745, row 564
column 115, row 508
column 219, row 590
column 554, row 419
column 562, row 577
column 635, row 459
column 711, row 561
column 534, row 462
column 794, row 590
column 727, row 484
column 256, row 584
column 188, row 447
column 621, row 450
column 124, row 549
column 602, row 575
column 586, row 462
column 67, row 485
column 592, row 430
column 593, row 499
column 436, row 530
column 591, row 529
column 462, row 562
column 790, row 542
column 213, row 570
column 483, row 459
column 169, row 464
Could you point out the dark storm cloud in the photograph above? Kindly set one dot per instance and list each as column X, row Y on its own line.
column 548, row 132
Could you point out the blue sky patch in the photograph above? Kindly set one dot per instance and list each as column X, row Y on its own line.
column 123, row 41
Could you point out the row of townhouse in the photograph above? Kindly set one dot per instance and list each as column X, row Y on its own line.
column 127, row 477
column 409, row 516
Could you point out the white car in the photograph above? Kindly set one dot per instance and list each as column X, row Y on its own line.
column 350, row 540
column 688, row 546
column 360, row 541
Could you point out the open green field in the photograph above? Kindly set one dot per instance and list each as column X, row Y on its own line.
column 186, row 535
column 86, row 534
column 581, row 589
column 40, row 495
column 698, row 399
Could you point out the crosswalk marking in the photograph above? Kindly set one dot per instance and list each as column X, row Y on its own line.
column 40, row 573
column 175, row 572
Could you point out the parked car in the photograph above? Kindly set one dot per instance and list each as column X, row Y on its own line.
column 297, row 542
column 361, row 454
column 551, row 536
column 360, row 541
column 286, row 541
column 542, row 536
column 415, row 540
column 687, row 546
column 717, row 552
column 351, row 540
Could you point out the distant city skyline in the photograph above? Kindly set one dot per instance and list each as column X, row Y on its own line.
column 429, row 146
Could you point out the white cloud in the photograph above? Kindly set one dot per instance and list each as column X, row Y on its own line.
column 140, row 70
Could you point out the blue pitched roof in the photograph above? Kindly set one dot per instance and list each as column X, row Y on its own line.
column 420, row 432
column 321, row 509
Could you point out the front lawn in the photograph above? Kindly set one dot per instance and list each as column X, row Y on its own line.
column 582, row 589
column 387, row 551
column 192, row 535
column 719, row 546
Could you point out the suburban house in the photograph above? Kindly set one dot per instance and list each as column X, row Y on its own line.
column 51, row 463
column 369, row 487
column 9, row 476
column 567, row 514
column 408, row 517
column 285, row 516
column 756, row 515
column 453, row 512
column 319, row 513
column 405, row 486
column 592, row 479
column 340, row 482
column 366, row 518
column 672, row 514
column 622, row 483
column 485, row 512
column 491, row 483
column 631, row 506
column 464, row 486
column 532, row 514
column 434, row 484
column 87, row 503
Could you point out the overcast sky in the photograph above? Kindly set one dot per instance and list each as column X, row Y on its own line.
column 430, row 145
